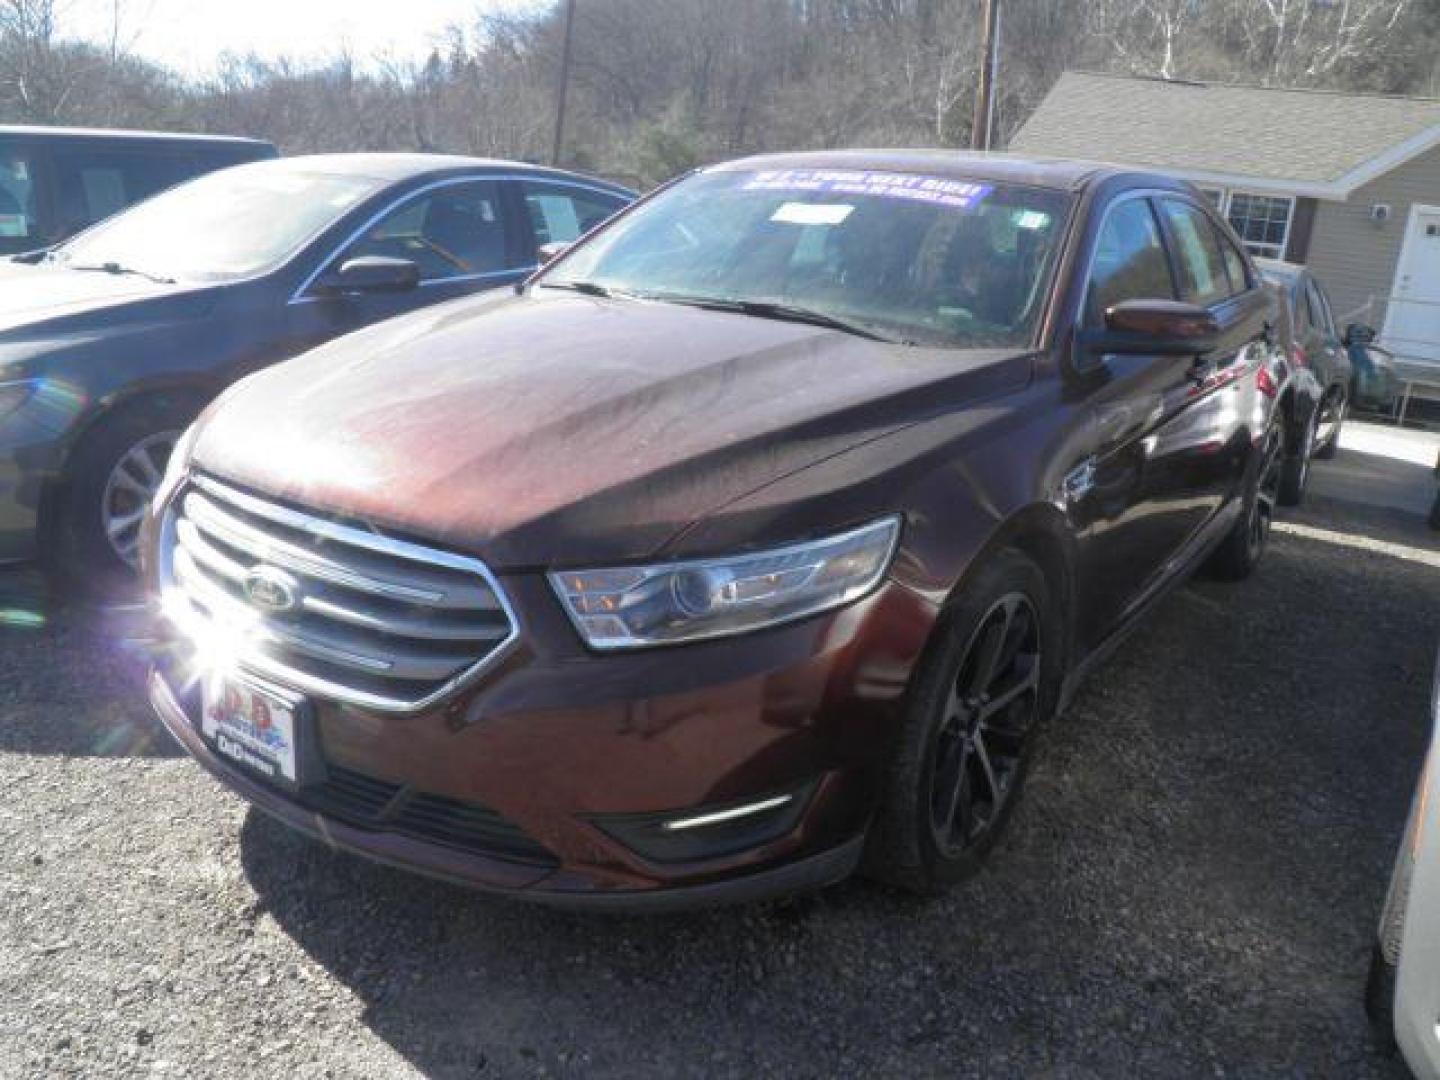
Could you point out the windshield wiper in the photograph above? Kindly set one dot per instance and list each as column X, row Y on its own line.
column 774, row 309
column 589, row 288
column 119, row 269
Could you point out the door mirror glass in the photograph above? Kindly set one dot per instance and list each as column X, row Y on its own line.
column 370, row 274
column 1155, row 328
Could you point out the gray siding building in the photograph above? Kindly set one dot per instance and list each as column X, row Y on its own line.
column 1348, row 184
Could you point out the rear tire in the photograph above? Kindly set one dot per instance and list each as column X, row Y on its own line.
column 1329, row 423
column 1295, row 473
column 988, row 682
column 111, row 477
column 1241, row 550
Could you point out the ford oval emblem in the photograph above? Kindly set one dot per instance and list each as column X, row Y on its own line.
column 271, row 590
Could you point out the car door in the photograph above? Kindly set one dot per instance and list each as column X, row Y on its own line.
column 1164, row 451
column 456, row 232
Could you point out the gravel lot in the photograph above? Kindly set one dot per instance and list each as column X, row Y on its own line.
column 1188, row 889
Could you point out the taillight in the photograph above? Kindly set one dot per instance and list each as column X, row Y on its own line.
column 1266, row 382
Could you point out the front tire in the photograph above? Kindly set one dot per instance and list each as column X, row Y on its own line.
column 989, row 681
column 113, row 474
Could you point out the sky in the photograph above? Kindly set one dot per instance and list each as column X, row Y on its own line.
column 190, row 36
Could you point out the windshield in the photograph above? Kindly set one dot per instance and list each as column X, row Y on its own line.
column 910, row 258
column 226, row 225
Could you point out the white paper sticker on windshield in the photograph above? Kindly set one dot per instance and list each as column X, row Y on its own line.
column 799, row 213
column 961, row 194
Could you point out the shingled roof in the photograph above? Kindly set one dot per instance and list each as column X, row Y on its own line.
column 1305, row 142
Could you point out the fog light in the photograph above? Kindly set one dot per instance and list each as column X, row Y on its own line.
column 709, row 832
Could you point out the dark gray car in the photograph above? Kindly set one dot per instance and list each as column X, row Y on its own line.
column 1322, row 372
column 111, row 343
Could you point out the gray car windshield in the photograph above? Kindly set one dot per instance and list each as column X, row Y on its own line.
column 910, row 258
column 229, row 224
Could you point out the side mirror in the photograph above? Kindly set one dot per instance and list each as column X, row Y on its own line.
column 1359, row 334
column 370, row 274
column 548, row 253
column 1154, row 327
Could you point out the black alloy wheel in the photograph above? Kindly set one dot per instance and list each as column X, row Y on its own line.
column 990, row 712
column 1333, row 411
column 1267, row 492
column 989, row 679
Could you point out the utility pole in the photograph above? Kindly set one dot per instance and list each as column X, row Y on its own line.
column 983, row 129
column 564, row 83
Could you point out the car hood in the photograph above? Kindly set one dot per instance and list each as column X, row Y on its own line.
column 551, row 431
column 38, row 298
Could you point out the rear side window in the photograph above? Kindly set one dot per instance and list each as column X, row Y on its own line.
column 560, row 213
column 1203, row 277
column 1234, row 266
column 19, row 229
column 1319, row 308
column 93, row 184
column 1130, row 262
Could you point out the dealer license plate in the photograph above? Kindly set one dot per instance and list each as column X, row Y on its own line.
column 251, row 727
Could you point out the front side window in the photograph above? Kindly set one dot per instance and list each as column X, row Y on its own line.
column 909, row 258
column 561, row 214
column 1130, row 262
column 225, row 225
column 453, row 231
column 1262, row 222
column 1204, row 280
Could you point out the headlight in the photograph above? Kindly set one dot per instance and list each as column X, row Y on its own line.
column 14, row 394
column 634, row 606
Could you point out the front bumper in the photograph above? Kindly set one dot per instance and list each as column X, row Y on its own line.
column 574, row 750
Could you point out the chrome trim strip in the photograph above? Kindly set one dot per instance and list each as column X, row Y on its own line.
column 299, row 297
column 210, row 518
column 341, row 534
column 311, row 684
column 413, row 629
column 699, row 821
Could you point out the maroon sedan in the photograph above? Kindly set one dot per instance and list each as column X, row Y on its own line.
column 747, row 544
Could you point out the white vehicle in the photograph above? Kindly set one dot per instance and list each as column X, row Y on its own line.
column 1403, row 996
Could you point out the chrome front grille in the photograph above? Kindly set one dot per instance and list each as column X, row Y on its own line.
column 360, row 617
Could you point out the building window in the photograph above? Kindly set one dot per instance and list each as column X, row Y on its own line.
column 1262, row 222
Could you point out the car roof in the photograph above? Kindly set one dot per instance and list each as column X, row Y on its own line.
column 38, row 132
column 1063, row 174
column 395, row 167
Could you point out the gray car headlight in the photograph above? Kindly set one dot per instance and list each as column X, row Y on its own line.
column 635, row 606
